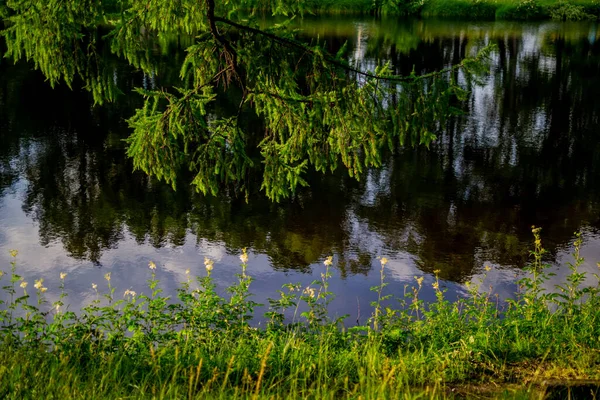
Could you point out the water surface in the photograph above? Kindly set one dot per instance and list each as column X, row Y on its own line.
column 526, row 152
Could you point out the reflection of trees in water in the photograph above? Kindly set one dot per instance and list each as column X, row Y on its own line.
column 530, row 157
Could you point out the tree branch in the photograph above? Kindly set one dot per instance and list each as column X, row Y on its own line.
column 333, row 60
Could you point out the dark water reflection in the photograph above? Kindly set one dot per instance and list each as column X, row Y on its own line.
column 526, row 153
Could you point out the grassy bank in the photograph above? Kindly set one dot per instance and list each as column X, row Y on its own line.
column 202, row 345
column 572, row 10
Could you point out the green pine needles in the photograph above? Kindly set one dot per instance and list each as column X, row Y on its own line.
column 310, row 110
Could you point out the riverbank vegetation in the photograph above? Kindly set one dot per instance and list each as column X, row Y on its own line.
column 206, row 344
column 561, row 10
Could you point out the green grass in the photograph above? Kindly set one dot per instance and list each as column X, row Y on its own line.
column 464, row 9
column 513, row 10
column 202, row 344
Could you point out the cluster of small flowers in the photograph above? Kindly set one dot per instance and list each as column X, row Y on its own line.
column 244, row 256
column 310, row 292
column 39, row 285
column 419, row 280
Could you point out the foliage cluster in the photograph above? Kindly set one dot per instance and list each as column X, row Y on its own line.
column 573, row 10
column 565, row 11
column 203, row 345
column 569, row 10
column 314, row 109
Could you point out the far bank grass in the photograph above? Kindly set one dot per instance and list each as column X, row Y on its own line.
column 201, row 345
column 464, row 9
column 572, row 10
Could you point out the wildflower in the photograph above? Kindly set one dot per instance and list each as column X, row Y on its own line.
column 43, row 289
column 598, row 265
column 208, row 264
column 107, row 276
column 38, row 284
column 487, row 268
column 436, row 285
column 63, row 275
column 244, row 256
column 58, row 308
column 1, row 274
column 310, row 292
column 419, row 280
column 23, row 284
column 384, row 261
column 129, row 293
column 152, row 265
column 436, row 271
column 14, row 253
column 94, row 286
column 328, row 261
column 187, row 271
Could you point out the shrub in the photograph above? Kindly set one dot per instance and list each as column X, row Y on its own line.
column 524, row 10
column 565, row 11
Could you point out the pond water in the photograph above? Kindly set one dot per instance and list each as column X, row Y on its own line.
column 526, row 152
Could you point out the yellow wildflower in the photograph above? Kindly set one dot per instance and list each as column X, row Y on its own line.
column 14, row 253
column 487, row 268
column 419, row 280
column 436, row 285
column 244, row 256
column 23, row 284
column 328, row 261
column 63, row 275
column 152, row 265
column 94, row 286
column 107, row 276
column 208, row 264
column 129, row 293
column 187, row 271
column 384, row 261
column 38, row 284
column 43, row 289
